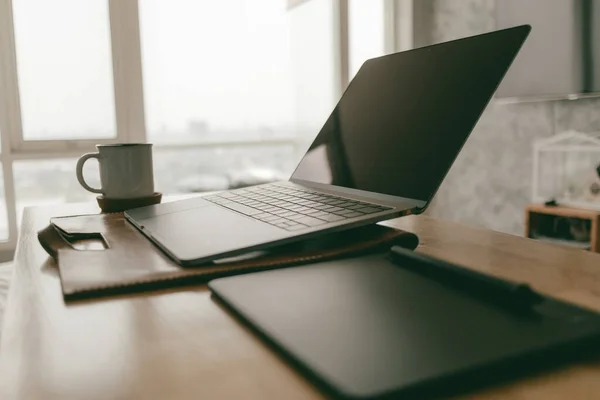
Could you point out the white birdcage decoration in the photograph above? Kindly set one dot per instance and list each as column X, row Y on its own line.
column 566, row 169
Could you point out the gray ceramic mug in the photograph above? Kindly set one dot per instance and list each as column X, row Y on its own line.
column 125, row 170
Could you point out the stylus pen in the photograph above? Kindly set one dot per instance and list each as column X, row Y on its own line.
column 482, row 285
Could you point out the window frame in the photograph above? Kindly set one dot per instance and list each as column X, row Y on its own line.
column 129, row 105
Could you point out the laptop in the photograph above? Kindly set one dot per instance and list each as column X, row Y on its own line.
column 382, row 153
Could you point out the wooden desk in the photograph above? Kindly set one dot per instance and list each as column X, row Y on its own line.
column 183, row 345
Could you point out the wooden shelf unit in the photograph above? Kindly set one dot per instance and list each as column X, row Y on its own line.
column 568, row 212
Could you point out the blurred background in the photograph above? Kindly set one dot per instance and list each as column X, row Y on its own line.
column 232, row 92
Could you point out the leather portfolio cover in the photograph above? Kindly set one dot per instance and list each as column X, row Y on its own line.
column 102, row 255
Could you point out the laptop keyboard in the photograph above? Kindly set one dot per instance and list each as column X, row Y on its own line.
column 292, row 208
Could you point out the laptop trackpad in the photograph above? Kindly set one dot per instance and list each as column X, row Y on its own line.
column 207, row 231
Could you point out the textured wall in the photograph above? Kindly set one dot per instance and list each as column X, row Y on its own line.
column 490, row 182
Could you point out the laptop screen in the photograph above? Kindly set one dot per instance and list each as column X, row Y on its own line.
column 404, row 117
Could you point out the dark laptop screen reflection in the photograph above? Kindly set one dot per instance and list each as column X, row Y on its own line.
column 326, row 160
column 402, row 120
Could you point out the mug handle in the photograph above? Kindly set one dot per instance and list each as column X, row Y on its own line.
column 79, row 170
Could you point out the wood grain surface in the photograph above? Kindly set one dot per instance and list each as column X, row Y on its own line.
column 183, row 345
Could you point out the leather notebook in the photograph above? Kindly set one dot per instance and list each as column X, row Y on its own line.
column 102, row 255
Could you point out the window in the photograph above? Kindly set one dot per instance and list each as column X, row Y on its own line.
column 313, row 49
column 64, row 69
column 231, row 91
column 365, row 31
column 234, row 71
column 216, row 71
column 51, row 181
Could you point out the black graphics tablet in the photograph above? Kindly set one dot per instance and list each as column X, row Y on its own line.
column 370, row 328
